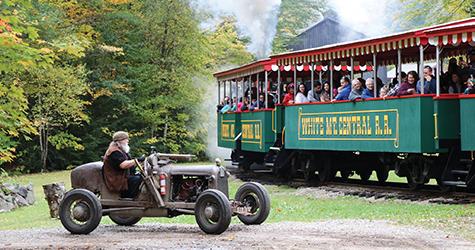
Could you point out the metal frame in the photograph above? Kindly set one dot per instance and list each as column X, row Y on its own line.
column 331, row 79
column 219, row 92
column 278, row 86
column 250, row 90
column 265, row 90
column 352, row 74
column 312, row 77
column 257, row 96
column 375, row 76
column 295, row 80
column 399, row 66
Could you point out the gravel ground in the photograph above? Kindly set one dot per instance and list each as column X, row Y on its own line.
column 341, row 234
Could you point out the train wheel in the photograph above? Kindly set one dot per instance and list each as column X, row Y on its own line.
column 294, row 167
column 444, row 188
column 417, row 175
column 309, row 171
column 382, row 173
column 345, row 175
column 364, row 175
column 244, row 165
column 413, row 185
column 326, row 171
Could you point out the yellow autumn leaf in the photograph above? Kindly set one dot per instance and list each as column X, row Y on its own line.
column 45, row 51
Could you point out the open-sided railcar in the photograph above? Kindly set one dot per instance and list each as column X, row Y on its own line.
column 420, row 137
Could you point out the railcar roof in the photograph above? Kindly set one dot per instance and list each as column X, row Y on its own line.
column 452, row 33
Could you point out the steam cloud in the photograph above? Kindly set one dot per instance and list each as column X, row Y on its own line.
column 256, row 19
column 371, row 17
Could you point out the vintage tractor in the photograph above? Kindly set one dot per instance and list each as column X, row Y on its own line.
column 166, row 191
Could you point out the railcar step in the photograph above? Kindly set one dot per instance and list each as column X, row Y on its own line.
column 275, row 148
column 466, row 161
column 258, row 167
column 461, row 172
column 263, row 171
column 455, row 183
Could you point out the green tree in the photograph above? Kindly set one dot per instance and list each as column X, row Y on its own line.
column 55, row 95
column 292, row 20
column 164, row 96
column 415, row 13
column 20, row 49
column 226, row 47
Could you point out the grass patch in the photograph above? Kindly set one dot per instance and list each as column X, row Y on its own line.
column 286, row 206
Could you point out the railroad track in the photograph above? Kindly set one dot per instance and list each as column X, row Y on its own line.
column 369, row 189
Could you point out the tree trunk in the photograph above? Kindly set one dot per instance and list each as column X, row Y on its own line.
column 44, row 147
column 165, row 132
column 54, row 193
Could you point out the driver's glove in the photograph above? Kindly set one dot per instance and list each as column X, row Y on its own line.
column 141, row 158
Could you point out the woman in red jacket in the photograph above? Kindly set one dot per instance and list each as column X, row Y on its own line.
column 289, row 97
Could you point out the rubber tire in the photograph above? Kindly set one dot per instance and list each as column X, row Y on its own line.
column 263, row 199
column 95, row 211
column 224, row 208
column 124, row 220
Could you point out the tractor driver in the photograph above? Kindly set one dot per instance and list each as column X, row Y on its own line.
column 119, row 168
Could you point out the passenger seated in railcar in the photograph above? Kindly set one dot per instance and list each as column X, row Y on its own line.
column 220, row 106
column 356, row 90
column 344, row 90
column 234, row 105
column 467, row 69
column 362, row 81
column 253, row 105
column 409, row 87
column 429, row 82
column 455, row 84
column 301, row 94
column 253, row 91
column 245, row 104
column 271, row 100
column 393, row 91
column 368, row 92
column 227, row 105
column 261, row 102
column 314, row 95
column 289, row 97
column 325, row 96
column 470, row 86
column 239, row 105
column 383, row 92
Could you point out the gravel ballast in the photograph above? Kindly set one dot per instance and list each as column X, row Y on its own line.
column 341, row 234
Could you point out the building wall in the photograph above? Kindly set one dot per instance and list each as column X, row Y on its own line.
column 327, row 31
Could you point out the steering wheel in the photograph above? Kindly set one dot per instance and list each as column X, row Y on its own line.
column 141, row 168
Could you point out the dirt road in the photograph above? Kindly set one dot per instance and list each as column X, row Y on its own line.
column 341, row 234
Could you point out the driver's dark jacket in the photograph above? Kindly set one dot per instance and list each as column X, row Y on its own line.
column 115, row 178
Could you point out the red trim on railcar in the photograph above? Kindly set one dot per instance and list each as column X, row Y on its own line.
column 467, row 96
column 373, row 99
column 447, row 97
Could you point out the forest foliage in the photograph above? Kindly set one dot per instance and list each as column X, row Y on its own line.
column 73, row 72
